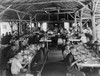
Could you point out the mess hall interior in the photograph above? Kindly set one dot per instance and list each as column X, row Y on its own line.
column 49, row 37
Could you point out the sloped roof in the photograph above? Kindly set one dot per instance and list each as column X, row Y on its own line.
column 32, row 7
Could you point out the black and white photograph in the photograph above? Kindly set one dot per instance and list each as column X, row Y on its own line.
column 49, row 37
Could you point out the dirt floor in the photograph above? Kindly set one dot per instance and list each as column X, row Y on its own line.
column 55, row 66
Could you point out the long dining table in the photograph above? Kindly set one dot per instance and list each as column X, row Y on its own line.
column 89, row 64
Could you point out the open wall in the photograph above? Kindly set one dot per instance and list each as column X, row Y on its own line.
column 5, row 27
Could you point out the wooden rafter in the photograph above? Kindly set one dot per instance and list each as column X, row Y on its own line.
column 18, row 16
column 29, row 6
column 2, row 15
column 86, row 18
column 14, row 10
column 40, row 2
column 5, row 9
column 85, row 7
column 43, row 10
column 24, row 16
column 34, row 16
column 71, row 7
column 19, row 6
column 71, row 16
column 86, row 21
column 12, row 20
column 81, row 3
column 47, row 12
column 43, row 2
column 62, row 12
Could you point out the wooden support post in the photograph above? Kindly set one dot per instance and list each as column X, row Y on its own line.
column 67, row 16
column 57, row 17
column 49, row 17
column 0, row 31
column 0, row 37
column 35, row 21
column 31, row 23
column 19, row 26
column 75, row 20
column 81, row 13
column 93, row 19
column 35, row 17
column 94, row 27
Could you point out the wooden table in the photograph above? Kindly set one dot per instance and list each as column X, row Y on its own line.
column 88, row 64
column 74, row 40
column 45, row 41
column 91, row 65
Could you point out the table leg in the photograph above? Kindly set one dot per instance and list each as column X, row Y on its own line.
column 99, row 71
column 79, row 68
column 92, row 69
column 29, row 68
column 39, row 74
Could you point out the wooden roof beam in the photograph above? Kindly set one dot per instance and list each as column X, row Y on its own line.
column 86, row 17
column 86, row 21
column 19, row 6
column 59, row 13
column 34, row 16
column 5, row 10
column 71, row 16
column 32, row 3
column 48, row 10
column 84, row 6
column 14, row 10
column 29, row 6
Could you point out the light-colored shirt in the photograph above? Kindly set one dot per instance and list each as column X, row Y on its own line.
column 98, row 32
column 84, row 30
column 84, row 39
column 15, row 66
